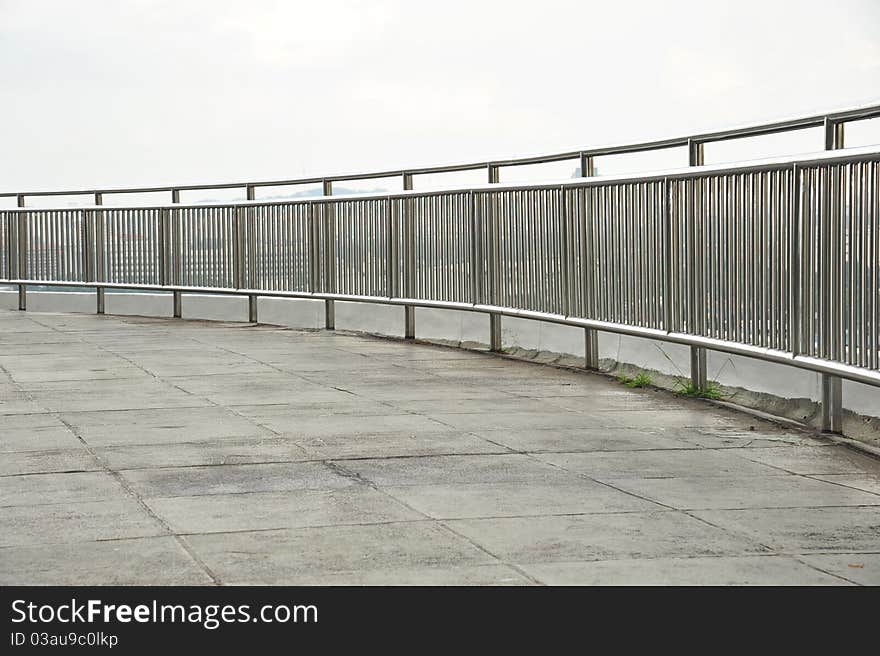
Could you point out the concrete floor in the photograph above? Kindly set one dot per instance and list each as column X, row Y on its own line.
column 150, row 451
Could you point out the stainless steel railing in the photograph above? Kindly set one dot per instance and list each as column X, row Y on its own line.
column 777, row 260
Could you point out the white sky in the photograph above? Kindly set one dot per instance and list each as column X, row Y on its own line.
column 113, row 93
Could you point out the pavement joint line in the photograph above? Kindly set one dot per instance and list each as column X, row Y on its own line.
column 824, row 571
column 318, row 459
column 100, row 410
column 490, row 553
column 812, row 476
column 599, row 482
column 52, row 473
column 438, row 523
column 815, row 477
column 745, row 536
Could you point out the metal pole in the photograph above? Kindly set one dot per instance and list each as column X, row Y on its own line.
column 252, row 298
column 97, row 268
column 588, row 166
column 591, row 337
column 22, row 255
column 409, row 311
column 164, row 248
column 832, row 387
column 494, row 273
column 329, row 258
column 699, row 379
column 174, row 259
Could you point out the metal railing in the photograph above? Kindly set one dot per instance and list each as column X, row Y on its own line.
column 777, row 260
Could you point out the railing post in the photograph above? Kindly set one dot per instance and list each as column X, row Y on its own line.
column 588, row 166
column 164, row 248
column 238, row 252
column 795, row 258
column 172, row 257
column 832, row 387
column 314, row 250
column 409, row 311
column 591, row 336
column 476, row 252
column 22, row 255
column 698, row 354
column 11, row 255
column 494, row 272
column 250, row 192
column 329, row 258
column 97, row 264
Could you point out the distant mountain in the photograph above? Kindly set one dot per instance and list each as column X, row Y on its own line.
column 304, row 193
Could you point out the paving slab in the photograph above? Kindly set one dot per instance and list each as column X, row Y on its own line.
column 76, row 459
column 568, row 440
column 71, row 487
column 473, row 575
column 327, row 425
column 861, row 568
column 231, row 479
column 220, row 513
column 803, row 530
column 343, row 554
column 668, row 463
column 121, row 394
column 831, row 459
column 35, row 432
column 602, row 537
column 460, row 501
column 226, row 451
column 141, row 561
column 779, row 491
column 865, row 482
column 396, row 445
column 435, row 470
column 122, row 517
column 743, row 570
column 161, row 426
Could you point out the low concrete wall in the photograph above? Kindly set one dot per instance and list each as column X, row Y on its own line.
column 370, row 318
column 468, row 329
column 150, row 305
column 296, row 313
column 780, row 390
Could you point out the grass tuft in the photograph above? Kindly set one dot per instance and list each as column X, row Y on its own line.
column 640, row 380
column 686, row 387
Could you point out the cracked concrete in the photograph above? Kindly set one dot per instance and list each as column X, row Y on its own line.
column 166, row 452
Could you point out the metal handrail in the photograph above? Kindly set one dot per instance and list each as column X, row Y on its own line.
column 832, row 121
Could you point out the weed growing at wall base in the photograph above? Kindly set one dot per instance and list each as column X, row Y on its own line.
column 686, row 387
column 640, row 380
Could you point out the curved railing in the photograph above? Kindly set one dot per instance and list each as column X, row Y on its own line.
column 777, row 260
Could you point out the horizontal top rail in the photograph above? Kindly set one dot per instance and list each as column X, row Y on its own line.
column 827, row 119
column 867, row 153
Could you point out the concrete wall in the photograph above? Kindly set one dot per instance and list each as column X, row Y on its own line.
column 785, row 391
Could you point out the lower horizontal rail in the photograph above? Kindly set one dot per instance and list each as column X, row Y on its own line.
column 856, row 374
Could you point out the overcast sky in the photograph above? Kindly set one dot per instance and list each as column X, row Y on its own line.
column 135, row 92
